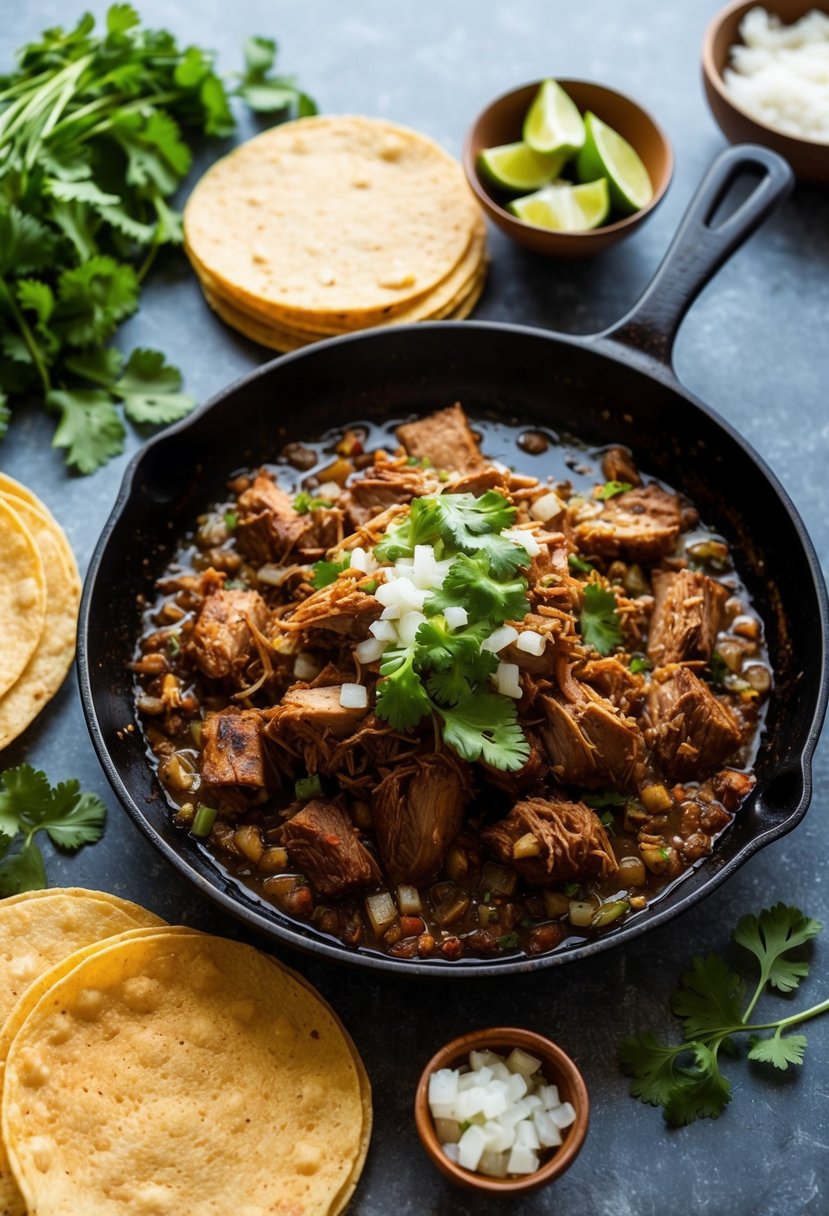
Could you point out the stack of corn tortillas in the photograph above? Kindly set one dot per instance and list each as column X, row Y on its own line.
column 150, row 1068
column 40, row 593
column 329, row 225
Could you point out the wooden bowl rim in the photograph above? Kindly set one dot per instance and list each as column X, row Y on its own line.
column 553, row 1058
column 714, row 77
column 603, row 230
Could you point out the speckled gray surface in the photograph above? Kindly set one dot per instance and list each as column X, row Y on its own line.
column 755, row 347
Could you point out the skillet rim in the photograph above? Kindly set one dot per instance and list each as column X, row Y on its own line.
column 230, row 899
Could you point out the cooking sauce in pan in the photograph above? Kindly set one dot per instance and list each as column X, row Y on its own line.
column 476, row 905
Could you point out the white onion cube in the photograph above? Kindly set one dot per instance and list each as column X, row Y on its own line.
column 499, row 1137
column 369, row 651
column 305, row 666
column 513, row 1115
column 524, row 538
column 386, row 593
column 547, row 507
column 499, row 639
column 407, row 595
column 549, row 1096
column 329, row 490
column 493, row 1164
column 359, row 560
column 522, row 1062
column 478, row 1059
column 516, row 1086
column 531, row 642
column 384, row 631
column 563, row 1115
column 410, row 622
column 495, row 1099
column 469, row 1102
column 546, row 1129
column 507, row 682
column 391, row 613
column 423, row 566
column 479, row 1076
column 526, row 1134
column 522, row 1160
column 452, row 1152
column 456, row 617
column 443, row 1085
column 354, row 696
column 471, row 1147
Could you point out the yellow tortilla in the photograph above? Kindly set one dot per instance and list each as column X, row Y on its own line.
column 22, row 595
column 175, row 1073
column 330, row 220
column 13, row 493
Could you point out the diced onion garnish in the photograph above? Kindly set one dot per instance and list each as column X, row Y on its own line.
column 390, row 613
column 305, row 666
column 328, row 489
column 531, row 642
column 360, row 560
column 500, row 638
column 497, row 1116
column 455, row 616
column 507, row 682
column 547, row 507
column 409, row 625
column 384, row 631
column 271, row 574
column 354, row 696
column 370, row 650
column 524, row 538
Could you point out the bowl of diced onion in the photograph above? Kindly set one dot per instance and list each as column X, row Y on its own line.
column 502, row 1111
column 766, row 77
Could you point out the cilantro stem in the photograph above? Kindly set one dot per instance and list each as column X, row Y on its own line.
column 140, row 104
column 27, row 336
column 713, row 1038
column 144, row 268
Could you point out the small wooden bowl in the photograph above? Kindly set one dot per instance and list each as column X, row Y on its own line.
column 502, row 122
column 808, row 158
column 558, row 1070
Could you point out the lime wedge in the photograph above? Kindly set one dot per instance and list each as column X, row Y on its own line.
column 518, row 167
column 607, row 154
column 553, row 122
column 565, row 208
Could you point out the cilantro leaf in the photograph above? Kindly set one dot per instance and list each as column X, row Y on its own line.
column 599, row 619
column 702, row 1091
column 468, row 583
column 325, row 572
column 24, row 790
column 709, row 998
column 34, row 296
column 25, row 243
column 89, row 428
column 652, row 1066
column 611, row 488
column 605, row 798
column 5, row 414
column 474, row 525
column 639, row 665
column 401, row 697
column 24, row 871
column 304, row 503
column 770, row 936
column 73, row 819
column 485, row 726
column 269, row 94
column 149, row 388
column 578, row 565
column 93, row 298
column 454, row 659
column 778, row 1049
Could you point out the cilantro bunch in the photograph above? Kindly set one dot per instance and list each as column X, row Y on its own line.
column 686, row 1079
column 28, row 805
column 444, row 671
column 92, row 146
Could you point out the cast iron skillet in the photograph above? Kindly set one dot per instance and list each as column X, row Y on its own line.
column 618, row 386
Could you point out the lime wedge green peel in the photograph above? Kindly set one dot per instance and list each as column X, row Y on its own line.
column 565, row 208
column 553, row 122
column 607, row 154
column 518, row 167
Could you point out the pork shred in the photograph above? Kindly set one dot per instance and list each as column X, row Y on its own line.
column 385, row 484
column 572, row 844
column 418, row 811
column 445, row 439
column 641, row 524
column 232, row 748
column 322, row 842
column 690, row 731
column 221, row 643
column 589, row 741
column 340, row 608
column 269, row 527
column 687, row 615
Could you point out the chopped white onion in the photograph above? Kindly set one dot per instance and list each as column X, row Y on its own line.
column 410, row 622
column 531, row 642
column 328, row 489
column 471, row 1146
column 306, row 666
column 390, row 613
column 451, row 1151
column 563, row 1115
column 507, row 682
column 524, row 538
column 423, row 566
column 384, row 631
column 443, row 1085
column 500, row 638
column 522, row 1160
column 354, row 696
column 547, row 507
column 455, row 616
column 270, row 574
column 360, row 560
column 369, row 651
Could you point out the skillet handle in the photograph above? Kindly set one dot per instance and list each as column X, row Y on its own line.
column 700, row 248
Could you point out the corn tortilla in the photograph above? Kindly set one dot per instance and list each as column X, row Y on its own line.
column 11, row 1200
column 22, row 596
column 13, row 492
column 203, row 1078
column 331, row 219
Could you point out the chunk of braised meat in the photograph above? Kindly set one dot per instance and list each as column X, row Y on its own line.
column 445, row 439
column 322, row 842
column 383, row 486
column 611, row 679
column 269, row 527
column 732, row 786
column 478, row 482
column 340, row 608
column 309, row 722
column 687, row 615
column 418, row 811
column 551, row 841
column 618, row 465
column 588, row 740
column 687, row 728
column 642, row 524
column 232, row 748
column 521, row 780
column 221, row 643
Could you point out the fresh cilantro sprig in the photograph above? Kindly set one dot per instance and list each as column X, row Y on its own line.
column 325, row 572
column 599, row 620
column 305, row 503
column 686, row 1080
column 464, row 524
column 28, row 805
column 92, row 146
column 611, row 488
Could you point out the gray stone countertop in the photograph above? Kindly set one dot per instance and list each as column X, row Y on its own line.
column 755, row 347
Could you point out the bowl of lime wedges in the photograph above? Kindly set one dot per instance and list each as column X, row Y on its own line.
column 566, row 167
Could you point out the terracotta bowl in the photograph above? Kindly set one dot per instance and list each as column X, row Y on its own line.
column 501, row 123
column 808, row 158
column 558, row 1070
